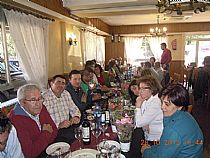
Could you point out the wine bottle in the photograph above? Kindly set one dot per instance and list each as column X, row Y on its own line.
column 86, row 134
column 97, row 115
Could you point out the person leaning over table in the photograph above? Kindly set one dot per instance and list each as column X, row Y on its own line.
column 182, row 136
column 35, row 128
column 9, row 143
column 62, row 109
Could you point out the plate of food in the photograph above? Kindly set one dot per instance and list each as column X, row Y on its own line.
column 58, row 148
column 110, row 143
column 84, row 153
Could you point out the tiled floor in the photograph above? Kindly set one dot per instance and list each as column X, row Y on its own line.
column 202, row 115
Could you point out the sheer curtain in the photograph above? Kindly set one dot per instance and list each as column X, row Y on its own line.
column 100, row 50
column 155, row 46
column 30, row 35
column 93, row 46
column 133, row 48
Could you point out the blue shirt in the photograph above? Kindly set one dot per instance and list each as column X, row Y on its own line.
column 13, row 148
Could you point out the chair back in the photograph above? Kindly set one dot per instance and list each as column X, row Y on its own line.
column 190, row 107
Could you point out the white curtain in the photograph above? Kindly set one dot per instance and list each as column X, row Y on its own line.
column 93, row 46
column 30, row 35
column 133, row 48
column 100, row 50
column 155, row 46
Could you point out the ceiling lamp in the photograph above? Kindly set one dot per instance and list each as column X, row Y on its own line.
column 179, row 6
column 157, row 30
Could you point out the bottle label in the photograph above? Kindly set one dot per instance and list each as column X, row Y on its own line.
column 103, row 118
column 107, row 116
column 86, row 134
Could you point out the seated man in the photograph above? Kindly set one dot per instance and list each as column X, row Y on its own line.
column 87, row 78
column 9, row 143
column 35, row 128
column 62, row 109
column 78, row 95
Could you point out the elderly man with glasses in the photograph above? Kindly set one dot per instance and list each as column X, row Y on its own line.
column 35, row 128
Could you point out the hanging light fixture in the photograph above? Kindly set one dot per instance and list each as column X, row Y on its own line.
column 157, row 30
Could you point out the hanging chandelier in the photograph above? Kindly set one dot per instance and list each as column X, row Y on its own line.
column 179, row 6
column 157, row 30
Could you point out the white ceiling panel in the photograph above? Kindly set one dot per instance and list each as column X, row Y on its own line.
column 129, row 12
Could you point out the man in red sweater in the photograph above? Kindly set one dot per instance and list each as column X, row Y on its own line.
column 165, row 61
column 35, row 128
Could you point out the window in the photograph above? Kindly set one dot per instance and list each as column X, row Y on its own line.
column 196, row 48
column 8, row 85
column 140, row 49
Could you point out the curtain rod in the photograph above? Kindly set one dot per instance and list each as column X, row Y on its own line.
column 22, row 10
column 89, row 30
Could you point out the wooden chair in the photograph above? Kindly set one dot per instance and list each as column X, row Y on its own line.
column 176, row 78
column 190, row 107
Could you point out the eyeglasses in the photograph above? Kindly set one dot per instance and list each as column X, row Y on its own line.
column 144, row 88
column 33, row 100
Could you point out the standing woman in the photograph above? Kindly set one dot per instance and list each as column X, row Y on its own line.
column 182, row 136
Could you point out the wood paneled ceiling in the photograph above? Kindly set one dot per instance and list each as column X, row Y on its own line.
column 129, row 12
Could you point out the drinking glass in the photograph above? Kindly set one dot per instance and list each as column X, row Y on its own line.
column 91, row 85
column 103, row 128
column 78, row 135
column 96, row 133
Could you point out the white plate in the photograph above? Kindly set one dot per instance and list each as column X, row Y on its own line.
column 122, row 156
column 84, row 153
column 110, row 142
column 57, row 148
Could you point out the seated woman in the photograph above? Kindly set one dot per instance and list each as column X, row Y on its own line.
column 102, row 77
column 149, row 115
column 138, row 133
column 133, row 91
column 182, row 136
column 99, row 75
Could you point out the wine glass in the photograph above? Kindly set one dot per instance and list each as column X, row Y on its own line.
column 96, row 133
column 103, row 128
column 91, row 85
column 78, row 135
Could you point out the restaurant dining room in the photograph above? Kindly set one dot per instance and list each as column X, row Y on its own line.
column 104, row 79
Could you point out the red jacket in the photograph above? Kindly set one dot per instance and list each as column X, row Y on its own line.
column 166, row 56
column 32, row 140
